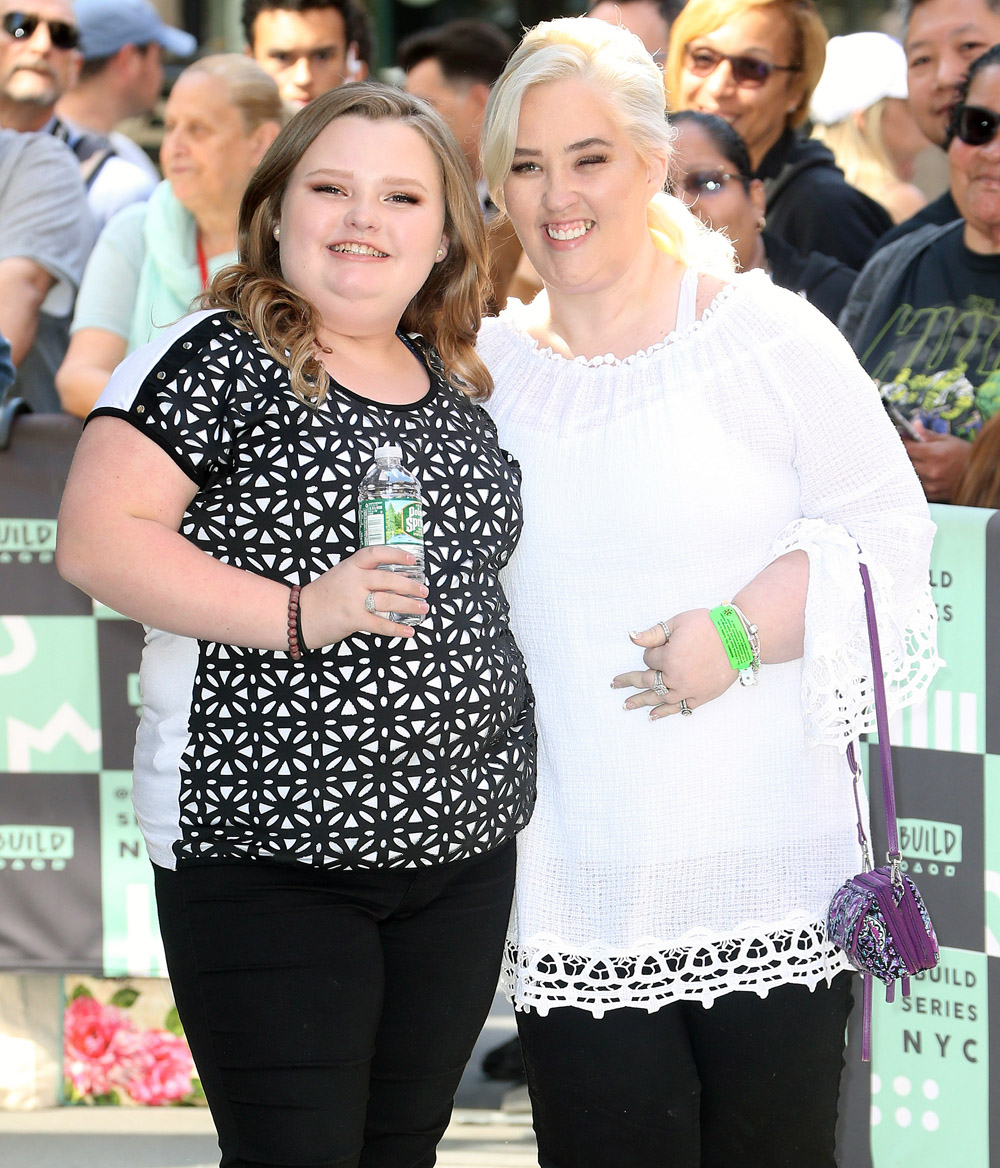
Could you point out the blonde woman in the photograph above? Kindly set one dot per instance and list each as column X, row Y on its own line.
column 680, row 433
column 154, row 259
column 755, row 63
column 859, row 110
column 329, row 798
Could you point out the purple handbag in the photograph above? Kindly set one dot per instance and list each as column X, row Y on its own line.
column 878, row 917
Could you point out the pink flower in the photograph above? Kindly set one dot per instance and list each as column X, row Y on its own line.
column 91, row 1037
column 160, row 1068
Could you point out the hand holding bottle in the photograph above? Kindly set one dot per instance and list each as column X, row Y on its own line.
column 333, row 606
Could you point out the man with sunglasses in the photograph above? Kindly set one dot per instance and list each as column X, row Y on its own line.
column 47, row 228
column 924, row 314
column 42, row 255
column 39, row 61
column 941, row 38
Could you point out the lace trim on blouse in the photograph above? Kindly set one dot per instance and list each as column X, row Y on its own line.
column 540, row 977
column 516, row 309
column 837, row 694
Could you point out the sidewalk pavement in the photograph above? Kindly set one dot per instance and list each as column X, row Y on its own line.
column 183, row 1137
column 491, row 1127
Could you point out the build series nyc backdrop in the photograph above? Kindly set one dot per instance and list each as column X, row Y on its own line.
column 76, row 889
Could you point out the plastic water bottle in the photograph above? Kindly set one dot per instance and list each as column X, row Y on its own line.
column 391, row 511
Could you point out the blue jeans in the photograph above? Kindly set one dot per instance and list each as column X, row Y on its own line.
column 331, row 1014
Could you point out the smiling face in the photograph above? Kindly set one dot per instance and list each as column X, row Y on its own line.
column 758, row 113
column 362, row 221
column 208, row 152
column 975, row 171
column 724, row 203
column 577, row 191
column 35, row 73
column 943, row 39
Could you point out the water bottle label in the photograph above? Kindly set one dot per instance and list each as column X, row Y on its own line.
column 398, row 522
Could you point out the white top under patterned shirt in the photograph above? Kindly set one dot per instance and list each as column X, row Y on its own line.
column 375, row 752
column 691, row 857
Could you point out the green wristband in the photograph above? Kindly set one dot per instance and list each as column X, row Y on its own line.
column 734, row 636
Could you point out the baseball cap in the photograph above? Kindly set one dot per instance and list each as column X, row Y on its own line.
column 860, row 70
column 108, row 25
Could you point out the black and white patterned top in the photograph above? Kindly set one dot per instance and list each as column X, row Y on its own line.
column 375, row 752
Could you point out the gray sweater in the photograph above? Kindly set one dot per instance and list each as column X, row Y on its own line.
column 876, row 290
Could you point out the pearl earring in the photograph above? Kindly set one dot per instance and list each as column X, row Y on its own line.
column 761, row 223
column 276, row 233
column 440, row 253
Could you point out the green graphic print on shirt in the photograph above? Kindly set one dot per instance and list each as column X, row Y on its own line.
column 931, row 364
column 937, row 354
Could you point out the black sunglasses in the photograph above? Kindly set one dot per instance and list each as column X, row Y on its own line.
column 748, row 71
column 22, row 25
column 976, row 126
column 705, row 182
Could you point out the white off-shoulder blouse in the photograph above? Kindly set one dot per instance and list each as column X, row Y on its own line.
column 692, row 857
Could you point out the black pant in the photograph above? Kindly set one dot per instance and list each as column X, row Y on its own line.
column 331, row 1014
column 748, row 1083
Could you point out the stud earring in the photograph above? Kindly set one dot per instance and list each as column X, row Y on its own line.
column 761, row 223
column 440, row 254
column 276, row 232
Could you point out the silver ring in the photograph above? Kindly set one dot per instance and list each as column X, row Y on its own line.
column 659, row 688
column 686, row 709
column 666, row 630
column 370, row 603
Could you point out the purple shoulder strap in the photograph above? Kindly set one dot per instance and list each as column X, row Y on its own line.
column 882, row 723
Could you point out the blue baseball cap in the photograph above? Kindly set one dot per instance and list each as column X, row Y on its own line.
column 108, row 25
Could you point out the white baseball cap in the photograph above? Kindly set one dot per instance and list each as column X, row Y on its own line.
column 860, row 70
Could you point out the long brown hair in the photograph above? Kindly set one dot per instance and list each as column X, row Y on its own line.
column 979, row 485
column 446, row 310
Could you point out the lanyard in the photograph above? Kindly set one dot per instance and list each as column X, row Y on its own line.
column 202, row 262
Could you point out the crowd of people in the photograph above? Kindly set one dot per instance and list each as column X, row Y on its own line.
column 614, row 290
column 800, row 148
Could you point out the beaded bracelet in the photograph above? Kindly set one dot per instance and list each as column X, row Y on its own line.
column 296, row 646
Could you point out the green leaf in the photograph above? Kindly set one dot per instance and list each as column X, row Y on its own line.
column 81, row 991
column 172, row 1022
column 112, row 1099
column 125, row 997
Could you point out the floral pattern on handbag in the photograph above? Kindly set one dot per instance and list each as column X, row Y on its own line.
column 882, row 927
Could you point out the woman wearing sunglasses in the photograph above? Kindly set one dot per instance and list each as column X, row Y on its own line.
column 924, row 315
column 680, row 429
column 711, row 175
column 755, row 63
